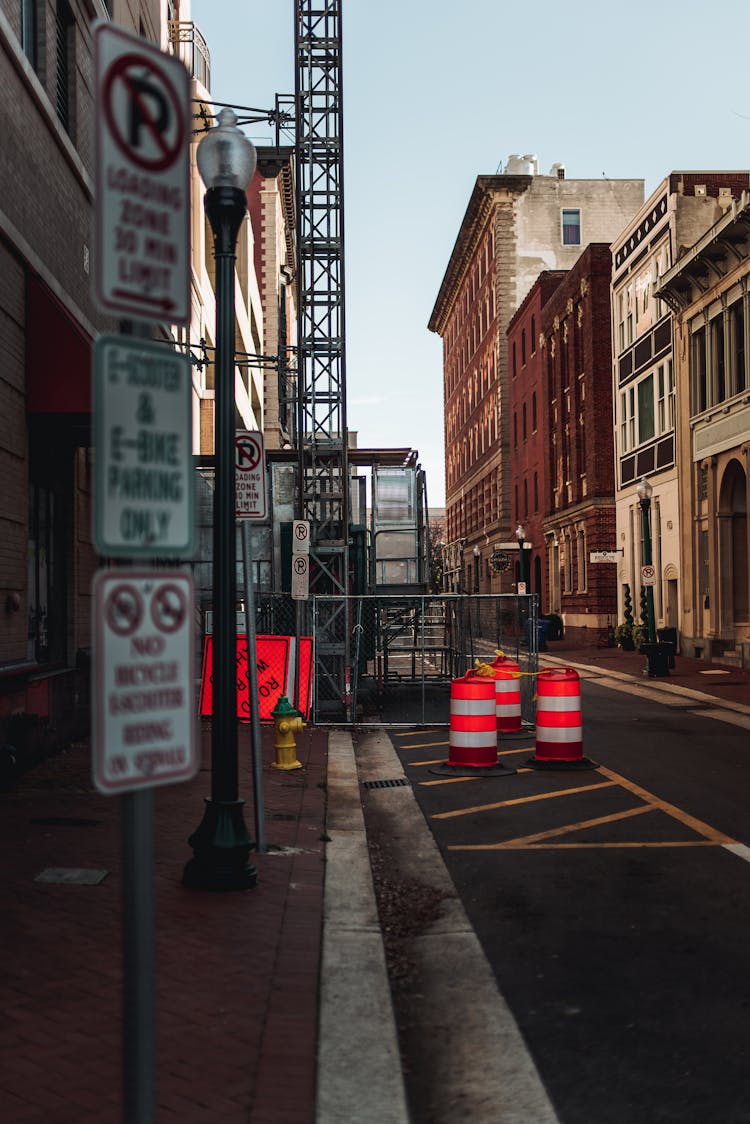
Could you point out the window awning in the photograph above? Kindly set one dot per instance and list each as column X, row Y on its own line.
column 58, row 354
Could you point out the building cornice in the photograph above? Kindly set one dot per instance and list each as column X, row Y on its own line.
column 488, row 190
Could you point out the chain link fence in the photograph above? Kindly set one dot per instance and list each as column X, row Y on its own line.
column 403, row 651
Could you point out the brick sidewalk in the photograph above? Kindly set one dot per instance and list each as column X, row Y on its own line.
column 236, row 974
column 720, row 680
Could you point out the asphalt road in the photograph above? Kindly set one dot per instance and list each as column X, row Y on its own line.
column 613, row 906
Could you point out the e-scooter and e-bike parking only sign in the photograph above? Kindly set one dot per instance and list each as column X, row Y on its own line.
column 144, row 706
column 143, row 126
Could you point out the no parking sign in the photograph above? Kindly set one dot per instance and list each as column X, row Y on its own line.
column 143, row 126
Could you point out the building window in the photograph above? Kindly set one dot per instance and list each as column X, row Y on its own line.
column 46, row 578
column 646, row 427
column 533, row 412
column 581, row 560
column 533, row 335
column 523, row 347
column 704, row 575
column 718, row 361
column 29, row 30
column 524, row 421
column 65, row 64
column 514, row 359
column 698, row 383
column 571, row 227
column 515, row 430
column 536, row 491
column 737, row 346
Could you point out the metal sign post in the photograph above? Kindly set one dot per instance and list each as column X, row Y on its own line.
column 252, row 679
column 300, row 546
column 143, row 126
column 144, row 735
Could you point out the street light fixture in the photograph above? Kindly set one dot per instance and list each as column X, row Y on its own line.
column 644, row 492
column 521, row 536
column 221, row 844
column 477, row 555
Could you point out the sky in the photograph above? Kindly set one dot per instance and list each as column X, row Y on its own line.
column 438, row 92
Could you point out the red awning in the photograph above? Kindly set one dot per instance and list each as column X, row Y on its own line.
column 58, row 354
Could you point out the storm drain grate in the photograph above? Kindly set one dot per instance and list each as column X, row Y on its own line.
column 397, row 782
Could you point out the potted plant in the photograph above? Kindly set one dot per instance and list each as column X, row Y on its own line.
column 624, row 637
column 624, row 632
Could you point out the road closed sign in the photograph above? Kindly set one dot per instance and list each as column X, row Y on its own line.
column 143, row 128
column 144, row 729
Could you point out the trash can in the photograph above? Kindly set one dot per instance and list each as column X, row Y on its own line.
column 542, row 631
column 668, row 637
column 657, row 659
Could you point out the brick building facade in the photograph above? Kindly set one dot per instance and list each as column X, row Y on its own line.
column 579, row 511
column 529, row 439
column 516, row 226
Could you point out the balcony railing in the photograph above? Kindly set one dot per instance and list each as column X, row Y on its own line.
column 189, row 45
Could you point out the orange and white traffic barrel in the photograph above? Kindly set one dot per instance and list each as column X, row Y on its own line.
column 472, row 738
column 507, row 694
column 559, row 722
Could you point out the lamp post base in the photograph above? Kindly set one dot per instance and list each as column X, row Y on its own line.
column 221, row 848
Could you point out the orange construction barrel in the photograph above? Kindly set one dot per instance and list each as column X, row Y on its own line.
column 507, row 695
column 472, row 738
column 559, row 724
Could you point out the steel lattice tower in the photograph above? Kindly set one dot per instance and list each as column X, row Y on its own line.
column 322, row 427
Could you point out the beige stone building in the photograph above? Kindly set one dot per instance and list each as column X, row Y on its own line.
column 516, row 225
column 646, row 386
column 707, row 290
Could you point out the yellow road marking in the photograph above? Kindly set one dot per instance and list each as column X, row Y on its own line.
column 525, row 840
column 521, row 800
column 694, row 824
column 590, row 846
column 456, row 780
column 441, row 760
column 423, row 745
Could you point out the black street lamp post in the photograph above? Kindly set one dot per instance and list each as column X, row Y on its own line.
column 221, row 843
column 657, row 655
column 644, row 491
column 521, row 536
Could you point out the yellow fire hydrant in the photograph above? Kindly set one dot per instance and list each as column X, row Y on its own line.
column 286, row 722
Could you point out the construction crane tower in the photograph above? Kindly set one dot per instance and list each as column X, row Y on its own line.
column 322, row 426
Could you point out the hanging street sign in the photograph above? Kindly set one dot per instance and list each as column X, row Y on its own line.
column 300, row 536
column 144, row 709
column 499, row 561
column 143, row 129
column 300, row 577
column 250, row 475
column 144, row 482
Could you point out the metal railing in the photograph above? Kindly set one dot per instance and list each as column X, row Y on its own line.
column 189, row 45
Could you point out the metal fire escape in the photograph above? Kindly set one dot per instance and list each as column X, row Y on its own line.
column 322, row 428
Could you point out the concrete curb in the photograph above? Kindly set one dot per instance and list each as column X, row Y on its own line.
column 359, row 1078
column 480, row 1071
column 650, row 685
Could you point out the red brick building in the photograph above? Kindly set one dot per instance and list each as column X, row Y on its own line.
column 579, row 510
column 528, row 439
